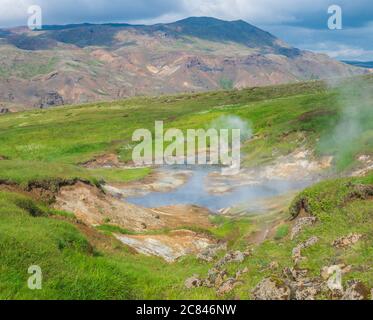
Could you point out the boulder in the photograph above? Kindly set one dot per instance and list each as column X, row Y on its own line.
column 236, row 256
column 297, row 251
column 51, row 99
column 356, row 290
column 270, row 289
column 193, row 282
column 302, row 287
column 308, row 291
column 347, row 241
column 210, row 253
column 228, row 286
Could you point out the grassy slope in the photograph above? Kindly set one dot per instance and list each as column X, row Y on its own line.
column 73, row 269
column 48, row 144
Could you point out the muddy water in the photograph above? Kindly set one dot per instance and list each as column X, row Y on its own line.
column 197, row 191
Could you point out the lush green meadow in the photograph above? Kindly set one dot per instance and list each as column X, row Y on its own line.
column 86, row 263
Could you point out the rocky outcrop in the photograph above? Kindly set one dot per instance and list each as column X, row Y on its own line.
column 301, row 224
column 361, row 191
column 228, row 286
column 235, row 256
column 347, row 241
column 218, row 277
column 51, row 99
column 298, row 206
column 297, row 251
column 302, row 286
column 210, row 253
column 356, row 290
column 193, row 282
column 270, row 289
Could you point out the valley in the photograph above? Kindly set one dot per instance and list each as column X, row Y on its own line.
column 72, row 200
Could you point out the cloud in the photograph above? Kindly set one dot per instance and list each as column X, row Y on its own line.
column 308, row 13
column 77, row 11
column 345, row 44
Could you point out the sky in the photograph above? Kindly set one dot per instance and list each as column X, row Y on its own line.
column 302, row 23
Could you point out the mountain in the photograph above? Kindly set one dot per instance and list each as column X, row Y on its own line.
column 88, row 62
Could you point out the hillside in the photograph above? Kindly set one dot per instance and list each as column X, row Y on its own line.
column 84, row 63
column 62, row 172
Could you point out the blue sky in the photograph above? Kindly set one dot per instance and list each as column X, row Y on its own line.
column 302, row 23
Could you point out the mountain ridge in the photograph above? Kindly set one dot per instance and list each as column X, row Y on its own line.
column 81, row 63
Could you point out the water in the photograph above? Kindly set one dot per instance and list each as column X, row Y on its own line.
column 194, row 192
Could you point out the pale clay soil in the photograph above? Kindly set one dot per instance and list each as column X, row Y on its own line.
column 94, row 207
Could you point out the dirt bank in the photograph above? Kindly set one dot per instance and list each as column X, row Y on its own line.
column 94, row 207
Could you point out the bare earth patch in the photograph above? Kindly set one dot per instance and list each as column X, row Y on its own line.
column 167, row 246
column 105, row 161
column 93, row 207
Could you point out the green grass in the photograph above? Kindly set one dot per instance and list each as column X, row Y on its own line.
column 26, row 66
column 73, row 269
column 46, row 145
column 339, row 215
column 24, row 172
column 282, row 118
column 282, row 231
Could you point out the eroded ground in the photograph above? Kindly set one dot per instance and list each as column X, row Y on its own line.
column 242, row 195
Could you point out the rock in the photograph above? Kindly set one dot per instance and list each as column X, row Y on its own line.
column 356, row 290
column 193, row 282
column 51, row 99
column 240, row 273
column 216, row 277
column 236, row 256
column 347, row 241
column 361, row 191
column 220, row 277
column 301, row 224
column 228, row 286
column 297, row 251
column 270, row 289
column 210, row 253
column 273, row 265
column 307, row 291
column 248, row 253
column 302, row 287
column 294, row 274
